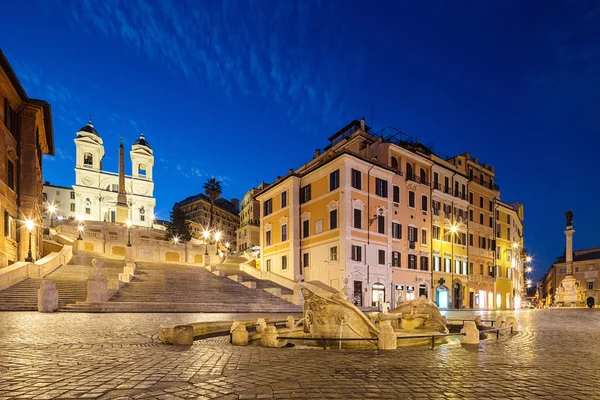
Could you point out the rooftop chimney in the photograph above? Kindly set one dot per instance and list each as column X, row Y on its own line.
column 317, row 153
column 475, row 160
column 362, row 123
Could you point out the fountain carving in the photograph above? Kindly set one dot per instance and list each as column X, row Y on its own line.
column 328, row 314
column 421, row 313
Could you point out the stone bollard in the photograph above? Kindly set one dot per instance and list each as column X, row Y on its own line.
column 512, row 321
column 471, row 333
column 47, row 297
column 165, row 334
column 501, row 323
column 239, row 335
column 387, row 337
column 269, row 337
column 97, row 285
column 261, row 324
column 478, row 322
column 289, row 322
column 183, row 335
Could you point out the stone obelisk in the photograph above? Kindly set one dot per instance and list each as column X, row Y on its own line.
column 122, row 207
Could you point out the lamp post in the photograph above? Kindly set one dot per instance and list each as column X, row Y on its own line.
column 29, row 225
column 217, row 237
column 227, row 244
column 206, row 235
column 51, row 211
column 79, row 229
column 176, row 240
column 128, row 223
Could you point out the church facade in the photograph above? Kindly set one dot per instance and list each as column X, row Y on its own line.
column 96, row 192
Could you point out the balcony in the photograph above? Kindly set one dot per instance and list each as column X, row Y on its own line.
column 481, row 279
column 418, row 179
column 485, row 183
column 481, row 252
column 460, row 195
column 412, row 245
column 441, row 188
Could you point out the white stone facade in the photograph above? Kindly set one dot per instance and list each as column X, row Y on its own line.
column 95, row 190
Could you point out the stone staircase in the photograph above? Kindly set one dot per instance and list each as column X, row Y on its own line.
column 230, row 268
column 178, row 287
column 71, row 283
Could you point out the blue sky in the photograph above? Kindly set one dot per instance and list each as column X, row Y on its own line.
column 245, row 90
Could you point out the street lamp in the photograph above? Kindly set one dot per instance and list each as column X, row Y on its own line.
column 453, row 229
column 206, row 235
column 128, row 223
column 217, row 237
column 29, row 225
column 51, row 211
column 79, row 229
column 227, row 244
column 175, row 240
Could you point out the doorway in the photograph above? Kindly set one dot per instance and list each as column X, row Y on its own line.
column 358, row 293
column 456, row 296
column 442, row 297
column 378, row 294
column 590, row 302
column 471, row 299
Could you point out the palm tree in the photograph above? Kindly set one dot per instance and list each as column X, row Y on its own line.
column 212, row 188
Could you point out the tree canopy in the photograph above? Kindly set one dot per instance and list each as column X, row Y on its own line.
column 178, row 227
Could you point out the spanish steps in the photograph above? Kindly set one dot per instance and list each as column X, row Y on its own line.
column 156, row 287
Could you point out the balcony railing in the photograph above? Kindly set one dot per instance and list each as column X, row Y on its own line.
column 489, row 280
column 418, row 179
column 488, row 184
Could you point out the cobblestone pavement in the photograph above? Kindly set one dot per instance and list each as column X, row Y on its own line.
column 554, row 355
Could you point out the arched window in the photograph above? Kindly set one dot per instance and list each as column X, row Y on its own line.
column 88, row 159
column 394, row 163
column 423, row 176
column 142, row 170
column 409, row 171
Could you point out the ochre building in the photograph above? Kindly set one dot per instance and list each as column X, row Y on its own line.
column 25, row 135
column 385, row 219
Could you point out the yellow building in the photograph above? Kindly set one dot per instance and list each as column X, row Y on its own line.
column 449, row 226
column 248, row 234
column 509, row 255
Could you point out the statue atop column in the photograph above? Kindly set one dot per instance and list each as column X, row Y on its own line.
column 569, row 216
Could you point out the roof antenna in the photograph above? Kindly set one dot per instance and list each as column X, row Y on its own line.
column 121, row 137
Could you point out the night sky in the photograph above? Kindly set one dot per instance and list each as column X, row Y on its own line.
column 243, row 91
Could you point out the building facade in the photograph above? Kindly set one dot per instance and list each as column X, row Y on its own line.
column 384, row 219
column 449, row 231
column 63, row 199
column 586, row 268
column 226, row 218
column 95, row 193
column 25, row 135
column 248, row 234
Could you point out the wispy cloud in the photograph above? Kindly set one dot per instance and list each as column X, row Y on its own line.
column 240, row 48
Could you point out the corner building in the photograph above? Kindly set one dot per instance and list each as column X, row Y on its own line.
column 384, row 219
column 26, row 134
